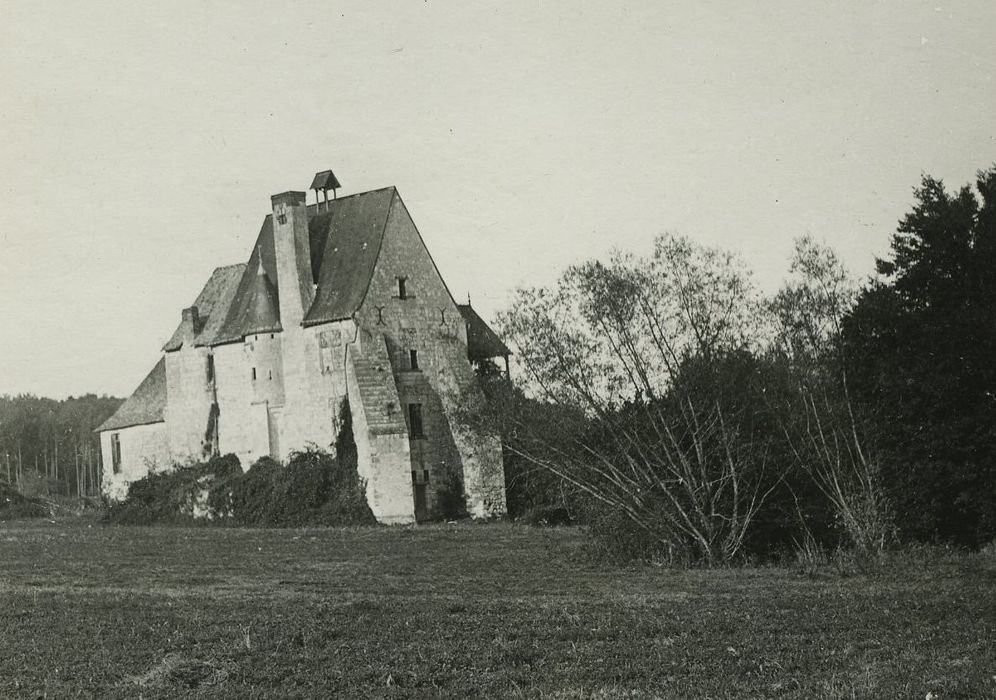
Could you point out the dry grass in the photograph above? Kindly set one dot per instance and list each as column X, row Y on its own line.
column 458, row 611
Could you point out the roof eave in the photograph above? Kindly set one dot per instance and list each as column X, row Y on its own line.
column 102, row 429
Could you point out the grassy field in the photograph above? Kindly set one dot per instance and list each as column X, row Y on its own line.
column 458, row 611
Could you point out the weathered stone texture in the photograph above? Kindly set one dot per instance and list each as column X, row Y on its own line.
column 188, row 407
column 236, row 398
column 381, row 437
column 143, row 447
column 282, row 391
column 428, row 321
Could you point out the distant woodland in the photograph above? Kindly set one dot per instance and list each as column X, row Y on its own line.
column 49, row 447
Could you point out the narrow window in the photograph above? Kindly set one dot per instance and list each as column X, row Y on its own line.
column 270, row 373
column 116, row 452
column 210, row 368
column 415, row 420
column 402, row 291
column 254, row 374
column 413, row 359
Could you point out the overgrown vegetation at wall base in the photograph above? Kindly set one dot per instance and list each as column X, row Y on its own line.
column 313, row 488
column 179, row 495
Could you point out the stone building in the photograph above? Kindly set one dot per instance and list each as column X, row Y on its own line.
column 339, row 300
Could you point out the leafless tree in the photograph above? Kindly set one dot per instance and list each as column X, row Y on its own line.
column 605, row 347
column 829, row 441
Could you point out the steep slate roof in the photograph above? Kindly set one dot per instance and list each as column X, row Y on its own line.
column 212, row 306
column 240, row 320
column 345, row 243
column 146, row 405
column 263, row 314
column 482, row 342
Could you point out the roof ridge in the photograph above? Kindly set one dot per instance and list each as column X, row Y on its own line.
column 355, row 194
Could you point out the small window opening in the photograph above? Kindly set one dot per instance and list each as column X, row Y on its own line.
column 402, row 288
column 270, row 374
column 413, row 359
column 254, row 374
column 210, row 368
column 116, row 452
column 415, row 420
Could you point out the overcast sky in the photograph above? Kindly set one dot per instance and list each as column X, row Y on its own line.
column 141, row 142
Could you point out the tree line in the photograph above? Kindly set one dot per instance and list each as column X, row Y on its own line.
column 49, row 447
column 682, row 414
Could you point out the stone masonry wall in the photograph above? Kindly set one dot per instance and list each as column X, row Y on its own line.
column 238, row 424
column 383, row 459
column 142, row 447
column 428, row 321
column 315, row 384
column 479, row 445
column 189, row 396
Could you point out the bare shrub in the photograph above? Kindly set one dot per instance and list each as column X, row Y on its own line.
column 828, row 439
column 603, row 351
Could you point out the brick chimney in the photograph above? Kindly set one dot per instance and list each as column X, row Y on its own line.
column 295, row 286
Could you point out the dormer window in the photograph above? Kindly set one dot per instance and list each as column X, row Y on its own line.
column 402, row 288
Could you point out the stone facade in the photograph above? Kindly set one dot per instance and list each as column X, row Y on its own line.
column 142, row 448
column 338, row 303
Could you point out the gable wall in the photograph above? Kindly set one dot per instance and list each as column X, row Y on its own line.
column 142, row 447
column 428, row 321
